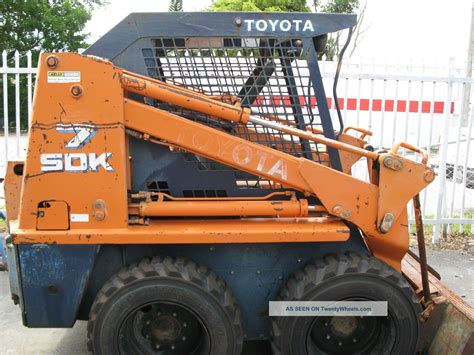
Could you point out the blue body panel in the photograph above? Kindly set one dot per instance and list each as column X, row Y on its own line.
column 59, row 283
column 53, row 280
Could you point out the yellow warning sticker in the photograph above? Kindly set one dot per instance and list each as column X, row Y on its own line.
column 58, row 77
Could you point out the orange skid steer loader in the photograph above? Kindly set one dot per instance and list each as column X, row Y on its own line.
column 169, row 202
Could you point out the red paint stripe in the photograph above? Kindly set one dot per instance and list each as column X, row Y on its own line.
column 376, row 105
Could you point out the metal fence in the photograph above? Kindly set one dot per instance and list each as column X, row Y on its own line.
column 424, row 104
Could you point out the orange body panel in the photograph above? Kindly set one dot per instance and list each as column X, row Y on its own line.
column 12, row 187
column 196, row 231
column 92, row 175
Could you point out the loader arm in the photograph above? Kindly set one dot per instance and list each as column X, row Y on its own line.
column 379, row 210
column 100, row 106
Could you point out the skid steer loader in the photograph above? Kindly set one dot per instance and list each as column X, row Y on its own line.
column 185, row 171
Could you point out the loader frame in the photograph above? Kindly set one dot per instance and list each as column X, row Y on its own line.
column 107, row 179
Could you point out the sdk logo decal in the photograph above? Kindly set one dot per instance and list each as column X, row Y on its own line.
column 76, row 162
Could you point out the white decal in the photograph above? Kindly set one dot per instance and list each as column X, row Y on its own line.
column 240, row 158
column 261, row 162
column 84, row 134
column 280, row 169
column 279, row 25
column 101, row 160
column 51, row 162
column 76, row 162
column 79, row 217
column 59, row 77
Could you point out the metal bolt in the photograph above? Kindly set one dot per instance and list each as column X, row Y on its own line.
column 342, row 212
column 232, row 272
column 174, row 314
column 157, row 346
column 238, row 22
column 354, row 340
column 76, row 91
column 299, row 260
column 99, row 215
column 147, row 322
column 52, row 61
column 172, row 347
column 183, row 338
column 392, row 163
column 298, row 43
column 387, row 222
column 258, row 272
column 429, row 175
column 185, row 324
column 326, row 324
column 340, row 343
column 147, row 336
column 280, row 277
column 328, row 337
column 99, row 204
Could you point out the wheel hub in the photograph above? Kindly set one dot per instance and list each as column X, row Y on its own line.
column 164, row 328
column 344, row 334
column 343, row 326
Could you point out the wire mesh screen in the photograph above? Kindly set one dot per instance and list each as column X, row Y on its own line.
column 269, row 75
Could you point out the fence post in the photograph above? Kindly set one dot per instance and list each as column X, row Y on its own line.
column 444, row 152
column 469, row 137
column 17, row 102
column 5, row 105
column 29, row 87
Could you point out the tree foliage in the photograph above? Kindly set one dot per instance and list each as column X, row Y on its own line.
column 40, row 25
column 260, row 5
column 340, row 6
column 48, row 25
column 175, row 6
column 334, row 45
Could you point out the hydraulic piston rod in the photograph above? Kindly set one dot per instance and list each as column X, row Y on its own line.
column 183, row 97
column 313, row 137
column 193, row 100
column 293, row 208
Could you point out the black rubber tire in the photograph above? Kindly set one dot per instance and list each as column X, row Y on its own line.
column 349, row 276
column 166, row 280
